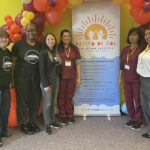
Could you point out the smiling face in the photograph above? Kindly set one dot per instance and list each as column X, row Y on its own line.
column 133, row 38
column 66, row 38
column 147, row 36
column 4, row 42
column 31, row 32
column 50, row 41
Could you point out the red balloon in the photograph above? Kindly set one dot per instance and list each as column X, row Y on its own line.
column 7, row 17
column 15, row 28
column 12, row 120
column 146, row 6
column 10, row 33
column 41, row 5
column 16, row 37
column 53, row 17
column 9, row 22
column 18, row 19
column 61, row 4
column 5, row 27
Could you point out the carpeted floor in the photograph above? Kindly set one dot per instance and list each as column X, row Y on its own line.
column 94, row 133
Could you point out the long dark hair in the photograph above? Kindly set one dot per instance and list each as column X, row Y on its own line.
column 45, row 46
column 61, row 45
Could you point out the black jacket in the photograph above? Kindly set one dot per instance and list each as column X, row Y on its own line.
column 47, row 69
column 5, row 68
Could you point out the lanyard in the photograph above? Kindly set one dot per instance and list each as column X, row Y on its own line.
column 129, row 54
column 67, row 53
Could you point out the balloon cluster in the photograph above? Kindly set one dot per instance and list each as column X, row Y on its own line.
column 140, row 10
column 12, row 29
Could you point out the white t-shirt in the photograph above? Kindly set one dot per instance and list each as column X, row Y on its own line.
column 143, row 65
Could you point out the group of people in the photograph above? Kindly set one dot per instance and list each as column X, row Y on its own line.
column 50, row 69
column 135, row 67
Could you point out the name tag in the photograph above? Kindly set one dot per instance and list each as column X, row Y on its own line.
column 67, row 63
column 127, row 67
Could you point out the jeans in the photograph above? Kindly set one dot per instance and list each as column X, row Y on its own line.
column 5, row 101
column 50, row 102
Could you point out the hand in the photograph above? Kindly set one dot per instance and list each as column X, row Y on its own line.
column 78, row 82
column 47, row 89
column 119, row 83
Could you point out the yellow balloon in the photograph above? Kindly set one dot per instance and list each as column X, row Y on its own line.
column 74, row 3
column 25, row 21
column 30, row 15
column 118, row 2
column 24, row 13
column 10, row 46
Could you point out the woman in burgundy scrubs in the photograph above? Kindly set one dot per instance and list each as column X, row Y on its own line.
column 71, row 75
column 129, row 58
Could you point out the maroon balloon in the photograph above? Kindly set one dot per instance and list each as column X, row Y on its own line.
column 52, row 3
column 146, row 6
column 18, row 19
column 29, row 7
column 23, row 32
column 40, row 38
column 4, row 27
column 39, row 20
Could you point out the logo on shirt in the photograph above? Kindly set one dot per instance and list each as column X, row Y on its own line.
column 32, row 56
column 7, row 63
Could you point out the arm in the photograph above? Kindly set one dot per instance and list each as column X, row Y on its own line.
column 43, row 71
column 78, row 67
column 120, row 79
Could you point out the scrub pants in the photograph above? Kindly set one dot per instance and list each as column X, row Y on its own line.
column 5, row 101
column 145, row 97
column 28, row 94
column 50, row 102
column 65, row 97
column 132, row 94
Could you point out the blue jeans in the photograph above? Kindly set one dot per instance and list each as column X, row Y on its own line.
column 50, row 102
column 5, row 101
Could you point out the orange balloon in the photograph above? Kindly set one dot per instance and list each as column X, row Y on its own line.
column 9, row 22
column 16, row 37
column 7, row 17
column 61, row 4
column 41, row 5
column 15, row 28
column 10, row 33
column 12, row 120
column 53, row 17
column 137, row 4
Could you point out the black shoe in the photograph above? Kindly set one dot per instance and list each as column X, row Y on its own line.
column 48, row 129
column 6, row 134
column 27, row 129
column 71, row 121
column 34, row 127
column 146, row 135
column 63, row 121
column 130, row 123
column 137, row 125
column 55, row 125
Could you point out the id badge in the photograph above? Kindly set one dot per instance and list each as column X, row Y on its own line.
column 127, row 67
column 67, row 63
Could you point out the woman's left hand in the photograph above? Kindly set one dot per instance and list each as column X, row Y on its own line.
column 78, row 82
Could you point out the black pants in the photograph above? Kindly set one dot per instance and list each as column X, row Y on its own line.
column 5, row 101
column 28, row 94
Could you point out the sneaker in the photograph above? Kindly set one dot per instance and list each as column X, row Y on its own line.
column 34, row 127
column 145, row 135
column 48, row 129
column 63, row 121
column 26, row 129
column 71, row 121
column 55, row 125
column 129, row 123
column 137, row 125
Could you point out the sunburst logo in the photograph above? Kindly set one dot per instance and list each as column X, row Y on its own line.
column 96, row 29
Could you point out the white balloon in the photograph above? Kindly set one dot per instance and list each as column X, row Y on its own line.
column 26, row 1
